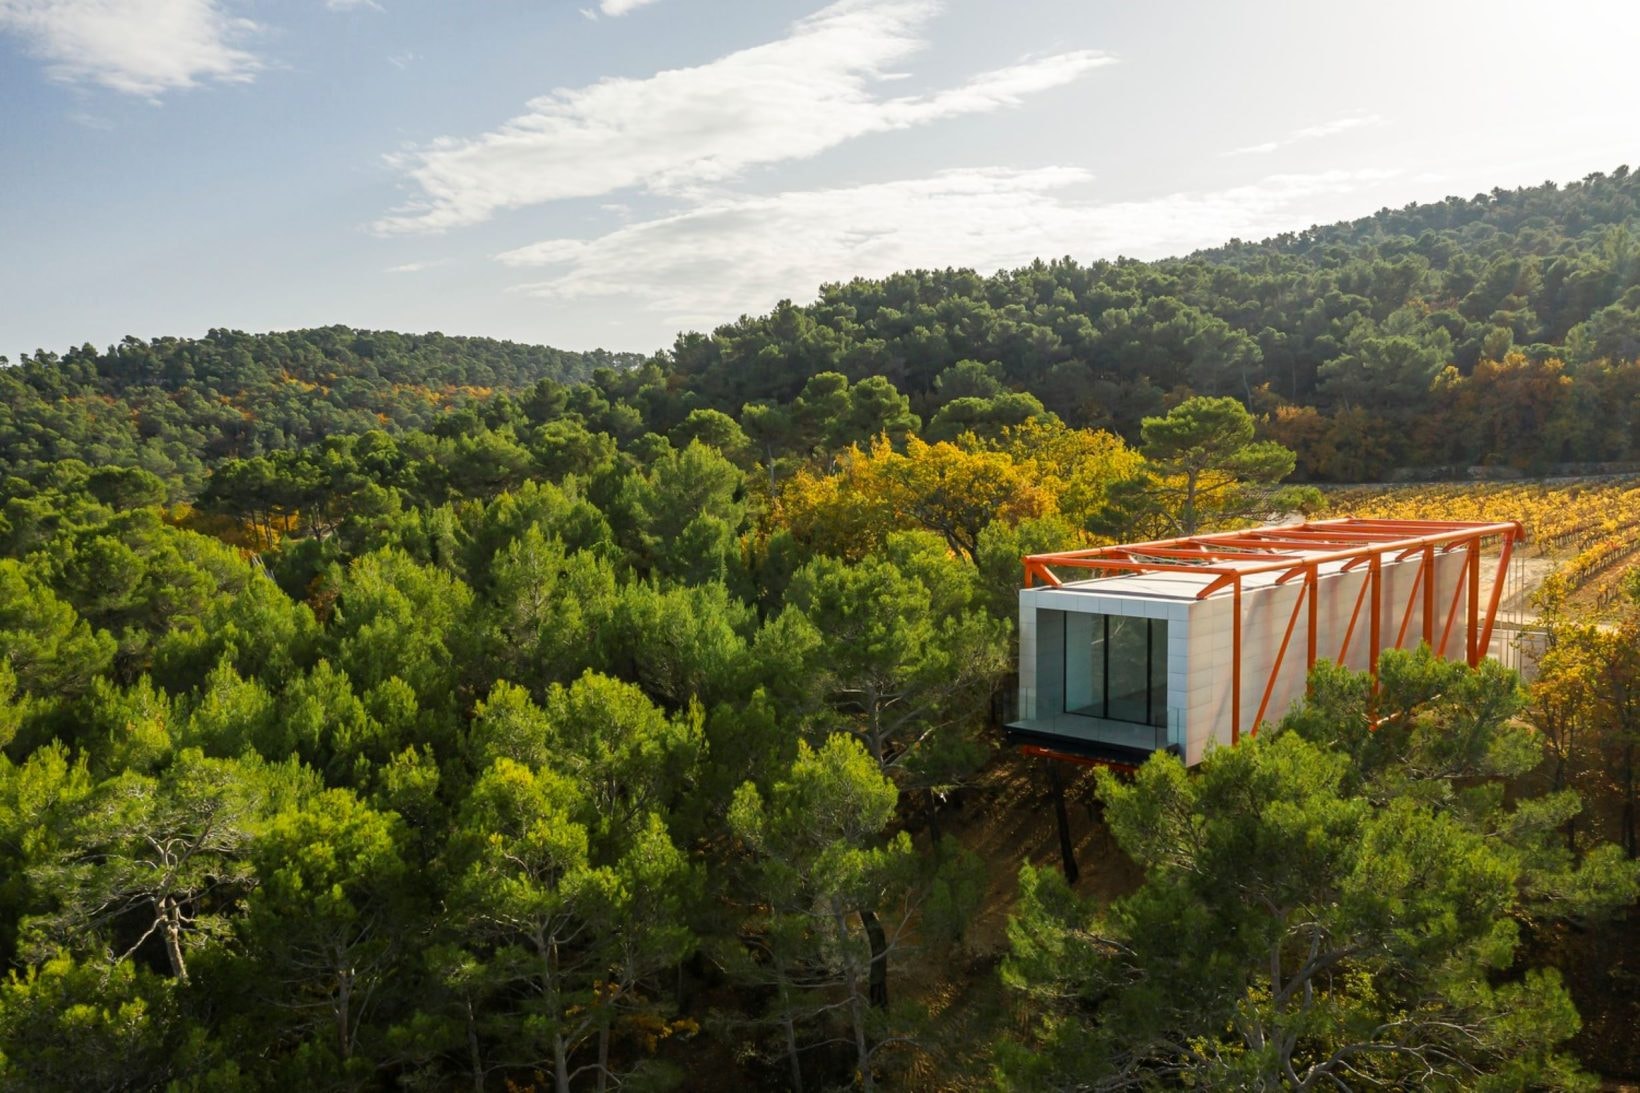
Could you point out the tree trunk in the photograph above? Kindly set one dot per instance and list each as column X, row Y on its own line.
column 857, row 1015
column 791, row 1051
column 603, row 1057
column 549, row 984
column 1571, row 821
column 344, row 994
column 173, row 938
column 879, row 958
column 560, row 1063
column 933, row 819
column 1067, row 849
column 473, row 1057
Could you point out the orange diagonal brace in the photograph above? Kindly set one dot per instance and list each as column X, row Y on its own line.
column 1281, row 654
column 1497, row 589
column 1412, row 600
column 1355, row 615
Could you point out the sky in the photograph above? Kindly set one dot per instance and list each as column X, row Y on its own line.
column 608, row 173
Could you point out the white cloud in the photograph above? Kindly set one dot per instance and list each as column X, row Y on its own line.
column 140, row 47
column 621, row 7
column 1311, row 132
column 417, row 267
column 89, row 120
column 784, row 100
column 733, row 254
column 348, row 5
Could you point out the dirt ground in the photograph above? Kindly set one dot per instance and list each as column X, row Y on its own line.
column 1007, row 818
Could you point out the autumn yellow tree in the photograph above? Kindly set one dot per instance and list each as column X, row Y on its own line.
column 954, row 488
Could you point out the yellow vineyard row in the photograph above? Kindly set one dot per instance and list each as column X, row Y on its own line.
column 1590, row 525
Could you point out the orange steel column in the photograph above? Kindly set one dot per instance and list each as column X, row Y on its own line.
column 1451, row 615
column 1235, row 662
column 1375, row 646
column 1429, row 595
column 1314, row 579
column 1470, row 631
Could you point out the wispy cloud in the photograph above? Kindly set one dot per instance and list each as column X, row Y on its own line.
column 87, row 120
column 621, row 7
column 785, row 100
column 734, row 254
column 348, row 5
column 417, row 267
column 1311, row 132
column 138, row 47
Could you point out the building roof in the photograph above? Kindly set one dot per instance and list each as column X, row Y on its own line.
column 1197, row 566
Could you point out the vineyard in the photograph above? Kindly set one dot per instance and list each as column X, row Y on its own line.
column 1587, row 530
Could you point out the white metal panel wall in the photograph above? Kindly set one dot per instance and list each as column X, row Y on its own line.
column 1207, row 669
column 1027, row 653
column 1208, row 660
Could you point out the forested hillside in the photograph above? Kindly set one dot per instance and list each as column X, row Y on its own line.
column 1499, row 329
column 175, row 405
column 397, row 712
column 1503, row 328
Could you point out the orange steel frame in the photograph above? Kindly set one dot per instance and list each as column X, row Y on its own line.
column 1298, row 551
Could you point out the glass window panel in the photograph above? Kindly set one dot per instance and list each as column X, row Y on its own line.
column 1127, row 678
column 1158, row 672
column 1084, row 662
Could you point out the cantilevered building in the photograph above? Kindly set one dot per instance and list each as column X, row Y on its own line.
column 1170, row 644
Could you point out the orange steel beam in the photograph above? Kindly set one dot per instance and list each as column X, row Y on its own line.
column 1349, row 631
column 1452, row 530
column 1416, row 525
column 1299, row 534
column 1210, row 556
column 1040, row 752
column 1304, row 535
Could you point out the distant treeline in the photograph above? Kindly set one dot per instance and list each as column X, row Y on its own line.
column 175, row 406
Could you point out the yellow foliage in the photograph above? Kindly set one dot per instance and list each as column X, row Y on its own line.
column 1077, row 466
column 954, row 488
column 1588, row 526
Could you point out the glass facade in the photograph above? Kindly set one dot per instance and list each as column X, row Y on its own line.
column 1116, row 668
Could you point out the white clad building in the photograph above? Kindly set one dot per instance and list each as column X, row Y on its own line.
column 1172, row 644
